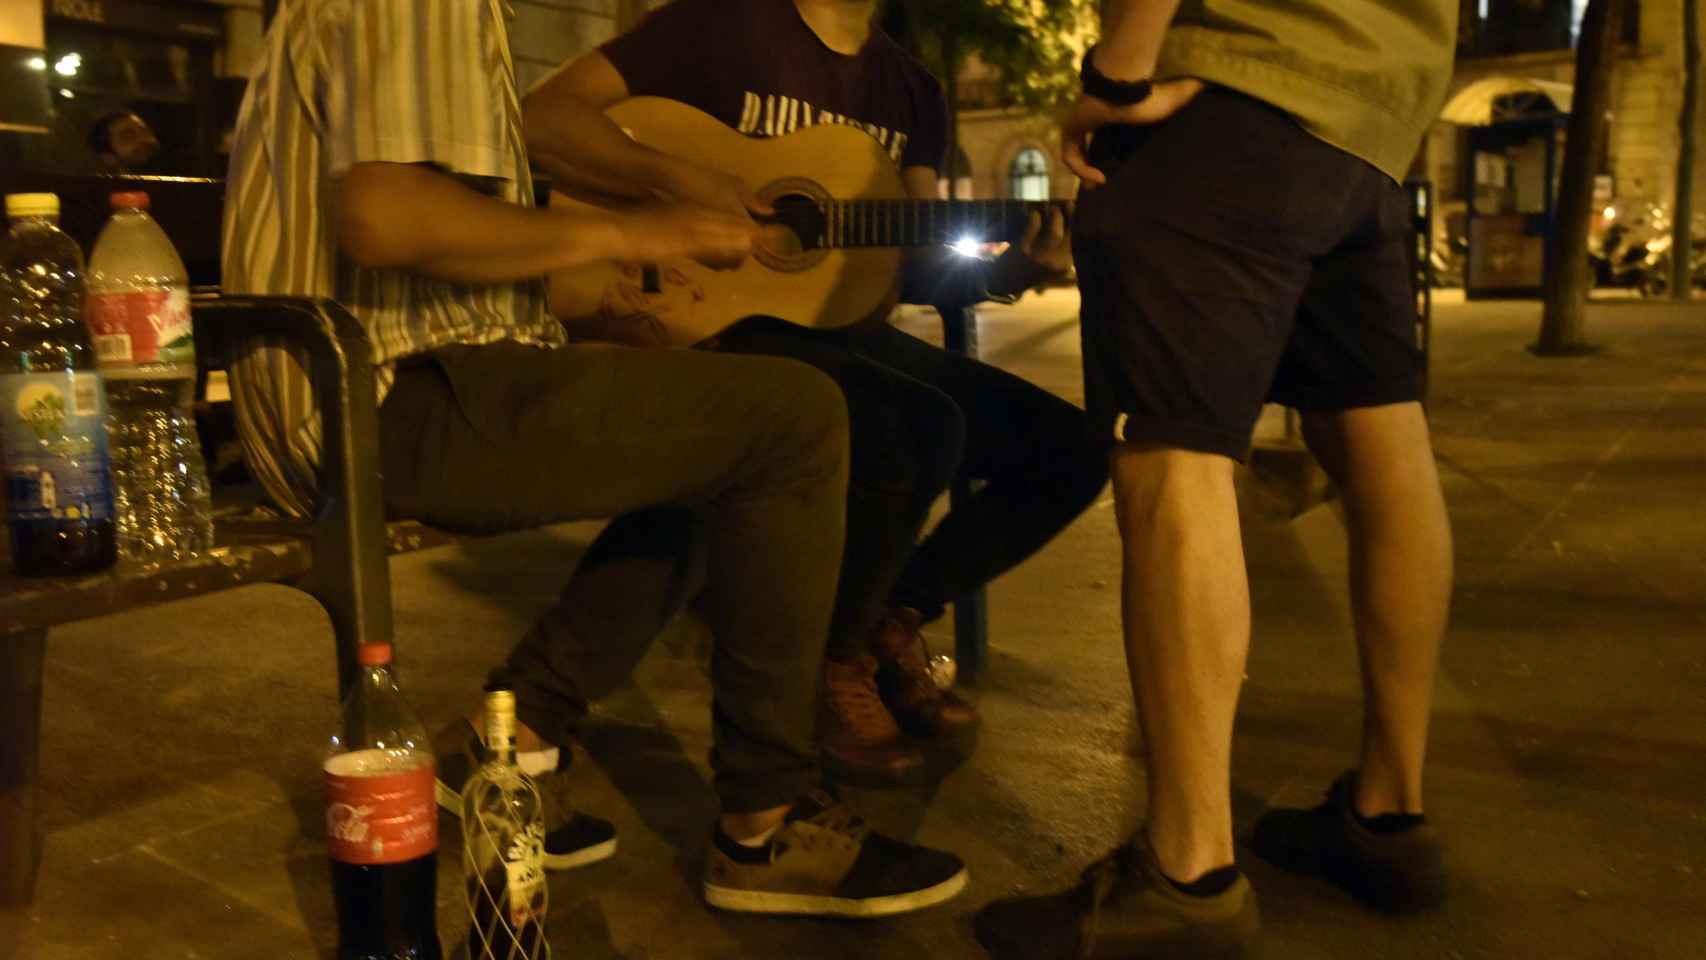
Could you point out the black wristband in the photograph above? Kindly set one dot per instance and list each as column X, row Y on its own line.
column 1120, row 93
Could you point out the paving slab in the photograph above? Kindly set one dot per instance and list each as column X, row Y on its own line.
column 181, row 749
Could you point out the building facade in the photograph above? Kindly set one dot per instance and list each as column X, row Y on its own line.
column 1647, row 91
column 1528, row 39
column 181, row 65
column 183, row 62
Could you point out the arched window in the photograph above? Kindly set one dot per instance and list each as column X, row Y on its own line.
column 1028, row 177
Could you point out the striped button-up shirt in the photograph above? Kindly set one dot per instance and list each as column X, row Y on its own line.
column 357, row 81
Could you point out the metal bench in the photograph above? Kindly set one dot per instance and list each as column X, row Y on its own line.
column 338, row 558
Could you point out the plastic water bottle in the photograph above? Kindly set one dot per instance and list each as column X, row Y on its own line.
column 53, row 442
column 139, row 316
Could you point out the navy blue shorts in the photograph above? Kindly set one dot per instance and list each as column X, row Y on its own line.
column 1232, row 259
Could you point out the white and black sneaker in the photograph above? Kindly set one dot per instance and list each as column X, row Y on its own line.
column 824, row 861
column 572, row 839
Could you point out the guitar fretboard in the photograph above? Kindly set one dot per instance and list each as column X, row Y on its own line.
column 921, row 223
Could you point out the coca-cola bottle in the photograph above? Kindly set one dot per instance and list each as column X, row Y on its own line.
column 503, row 848
column 382, row 821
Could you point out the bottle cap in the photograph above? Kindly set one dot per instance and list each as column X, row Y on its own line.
column 130, row 200
column 32, row 205
column 374, row 654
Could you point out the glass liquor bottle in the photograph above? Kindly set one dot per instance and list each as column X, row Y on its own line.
column 503, row 848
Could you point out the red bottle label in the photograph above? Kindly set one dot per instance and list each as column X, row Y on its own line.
column 141, row 327
column 383, row 816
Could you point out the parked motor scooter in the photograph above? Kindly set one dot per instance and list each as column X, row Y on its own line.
column 1657, row 283
column 1624, row 248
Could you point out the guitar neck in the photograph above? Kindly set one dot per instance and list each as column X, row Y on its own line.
column 923, row 223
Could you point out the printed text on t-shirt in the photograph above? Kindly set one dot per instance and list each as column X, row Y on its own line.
column 774, row 116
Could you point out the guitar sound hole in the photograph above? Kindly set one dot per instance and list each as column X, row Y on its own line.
column 795, row 235
column 796, row 227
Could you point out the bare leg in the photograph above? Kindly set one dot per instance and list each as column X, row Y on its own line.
column 1400, row 583
column 1187, row 627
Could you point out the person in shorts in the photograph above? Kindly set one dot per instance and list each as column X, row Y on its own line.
column 1240, row 239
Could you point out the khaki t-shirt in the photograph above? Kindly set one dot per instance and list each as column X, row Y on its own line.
column 1367, row 76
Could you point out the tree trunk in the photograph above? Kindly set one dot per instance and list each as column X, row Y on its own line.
column 1568, row 275
column 951, row 92
column 1682, row 220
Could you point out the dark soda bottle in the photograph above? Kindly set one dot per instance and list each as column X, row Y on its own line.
column 382, row 822
column 53, row 435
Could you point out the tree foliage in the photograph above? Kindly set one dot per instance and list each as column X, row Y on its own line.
column 1033, row 45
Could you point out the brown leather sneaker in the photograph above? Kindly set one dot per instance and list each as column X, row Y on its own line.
column 922, row 709
column 859, row 739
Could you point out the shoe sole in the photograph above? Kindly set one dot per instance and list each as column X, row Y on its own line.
column 448, row 800
column 1420, row 894
column 839, row 772
column 736, row 900
column 451, row 802
column 585, row 856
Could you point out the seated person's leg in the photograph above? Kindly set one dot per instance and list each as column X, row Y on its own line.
column 905, row 446
column 755, row 448
column 1039, row 470
column 633, row 580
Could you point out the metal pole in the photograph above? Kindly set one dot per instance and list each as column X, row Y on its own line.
column 1682, row 219
column 971, row 612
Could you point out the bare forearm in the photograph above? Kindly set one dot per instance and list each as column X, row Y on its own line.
column 569, row 136
column 579, row 146
column 415, row 218
column 1132, row 31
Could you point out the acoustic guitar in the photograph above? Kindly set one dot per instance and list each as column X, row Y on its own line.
column 831, row 255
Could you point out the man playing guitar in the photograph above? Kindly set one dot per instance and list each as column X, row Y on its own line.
column 767, row 68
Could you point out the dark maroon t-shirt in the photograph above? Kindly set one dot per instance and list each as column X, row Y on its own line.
column 758, row 67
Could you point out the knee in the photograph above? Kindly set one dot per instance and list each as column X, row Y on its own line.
column 1153, row 484
column 1370, row 446
column 1084, row 472
column 809, row 414
column 940, row 439
column 1065, row 454
column 1079, row 460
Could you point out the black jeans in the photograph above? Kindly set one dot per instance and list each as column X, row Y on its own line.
column 908, row 404
column 1034, row 464
column 919, row 414
column 747, row 454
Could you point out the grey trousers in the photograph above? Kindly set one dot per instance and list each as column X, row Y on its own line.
column 749, row 453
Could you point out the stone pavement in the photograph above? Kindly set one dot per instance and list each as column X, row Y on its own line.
column 1569, row 767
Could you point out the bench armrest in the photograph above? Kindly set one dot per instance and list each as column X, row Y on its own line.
column 350, row 577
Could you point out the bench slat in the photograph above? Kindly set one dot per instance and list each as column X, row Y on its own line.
column 250, row 550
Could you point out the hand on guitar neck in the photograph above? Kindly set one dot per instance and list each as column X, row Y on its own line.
column 1042, row 254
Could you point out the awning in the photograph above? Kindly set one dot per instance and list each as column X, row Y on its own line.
column 1477, row 105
